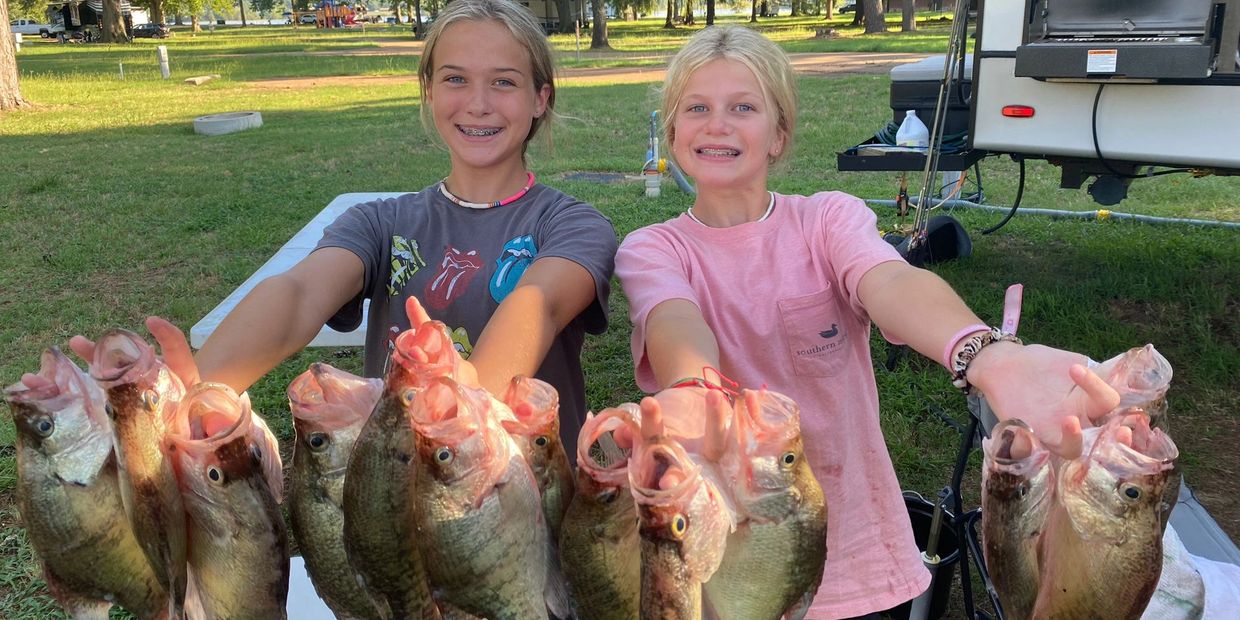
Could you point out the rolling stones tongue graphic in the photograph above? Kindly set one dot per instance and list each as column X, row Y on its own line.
column 513, row 259
column 455, row 271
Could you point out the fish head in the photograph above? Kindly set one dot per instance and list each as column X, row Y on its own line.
column 679, row 507
column 1141, row 376
column 1017, row 470
column 330, row 406
column 210, row 415
column 535, row 420
column 458, row 440
column 59, row 413
column 771, row 455
column 136, row 381
column 1117, row 485
column 426, row 352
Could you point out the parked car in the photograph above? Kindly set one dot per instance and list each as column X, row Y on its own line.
column 151, row 31
column 31, row 27
column 307, row 18
column 847, row 7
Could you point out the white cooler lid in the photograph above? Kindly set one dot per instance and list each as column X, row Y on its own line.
column 928, row 69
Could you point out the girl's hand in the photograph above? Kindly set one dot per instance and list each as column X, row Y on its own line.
column 174, row 348
column 1049, row 389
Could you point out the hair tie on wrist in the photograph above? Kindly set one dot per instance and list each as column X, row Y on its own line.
column 973, row 346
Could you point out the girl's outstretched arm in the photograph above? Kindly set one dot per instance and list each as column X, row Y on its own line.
column 279, row 317
column 679, row 343
column 551, row 293
column 1047, row 388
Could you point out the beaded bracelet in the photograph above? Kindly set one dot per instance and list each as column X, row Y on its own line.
column 731, row 393
column 968, row 352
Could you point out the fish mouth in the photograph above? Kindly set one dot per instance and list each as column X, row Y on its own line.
column 121, row 355
column 426, row 352
column 535, row 404
column 332, row 399
column 661, row 472
column 602, row 428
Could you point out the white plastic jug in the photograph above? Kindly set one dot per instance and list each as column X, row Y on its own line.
column 913, row 132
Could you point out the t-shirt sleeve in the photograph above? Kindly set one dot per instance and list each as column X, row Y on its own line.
column 849, row 233
column 578, row 232
column 358, row 230
column 651, row 273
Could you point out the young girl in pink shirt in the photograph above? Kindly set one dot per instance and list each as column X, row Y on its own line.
column 780, row 290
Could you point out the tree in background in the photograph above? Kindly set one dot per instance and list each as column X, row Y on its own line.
column 10, row 94
column 710, row 12
column 112, row 23
column 29, row 9
column 266, row 7
column 419, row 30
column 908, row 17
column 598, row 28
column 873, row 16
column 688, row 20
column 195, row 8
column 671, row 10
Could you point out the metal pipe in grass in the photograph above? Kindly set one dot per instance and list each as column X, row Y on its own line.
column 1100, row 214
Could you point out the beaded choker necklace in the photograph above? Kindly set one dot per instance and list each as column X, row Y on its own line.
column 529, row 182
column 769, row 208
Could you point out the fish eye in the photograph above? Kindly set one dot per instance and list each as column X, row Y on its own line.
column 1130, row 491
column 317, row 441
column 540, row 441
column 150, row 398
column 444, row 455
column 407, row 396
column 215, row 475
column 608, row 496
column 679, row 525
column 108, row 409
column 788, row 459
column 44, row 427
column 1023, row 489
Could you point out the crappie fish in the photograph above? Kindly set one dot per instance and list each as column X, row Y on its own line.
column 70, row 499
column 535, row 426
column 684, row 522
column 379, row 536
column 1102, row 548
column 600, row 527
column 477, row 509
column 1018, row 493
column 238, row 547
column 329, row 408
column 775, row 559
column 142, row 395
column 1142, row 377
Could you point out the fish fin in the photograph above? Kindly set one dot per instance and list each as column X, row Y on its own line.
column 555, row 591
column 800, row 608
column 77, row 606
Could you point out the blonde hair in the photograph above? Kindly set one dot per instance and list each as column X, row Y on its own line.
column 524, row 28
column 769, row 64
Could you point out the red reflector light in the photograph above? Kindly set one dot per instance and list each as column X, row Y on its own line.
column 1017, row 111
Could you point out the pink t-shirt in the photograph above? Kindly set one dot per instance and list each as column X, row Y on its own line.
column 780, row 296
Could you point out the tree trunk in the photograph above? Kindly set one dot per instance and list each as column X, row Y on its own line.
column 178, row 21
column 765, row 11
column 830, row 12
column 10, row 94
column 194, row 26
column 710, row 12
column 908, row 22
column 564, row 12
column 241, row 3
column 420, row 33
column 671, row 11
column 598, row 28
column 157, row 11
column 396, row 11
column 753, row 11
column 688, row 21
column 796, row 9
column 874, row 16
column 112, row 24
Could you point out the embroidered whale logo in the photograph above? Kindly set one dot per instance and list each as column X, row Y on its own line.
column 831, row 333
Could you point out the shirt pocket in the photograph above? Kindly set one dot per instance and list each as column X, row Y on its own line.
column 815, row 333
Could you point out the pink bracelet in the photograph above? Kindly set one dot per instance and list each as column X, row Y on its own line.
column 955, row 341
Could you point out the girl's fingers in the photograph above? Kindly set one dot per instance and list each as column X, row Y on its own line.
column 416, row 313
column 174, row 348
column 1070, row 441
column 652, row 419
column 1097, row 398
column 83, row 347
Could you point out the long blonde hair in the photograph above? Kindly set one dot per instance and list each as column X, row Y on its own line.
column 769, row 64
column 524, row 28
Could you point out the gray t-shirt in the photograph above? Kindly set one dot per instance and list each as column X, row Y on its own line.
column 461, row 263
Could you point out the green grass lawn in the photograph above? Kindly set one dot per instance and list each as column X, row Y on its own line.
column 112, row 209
